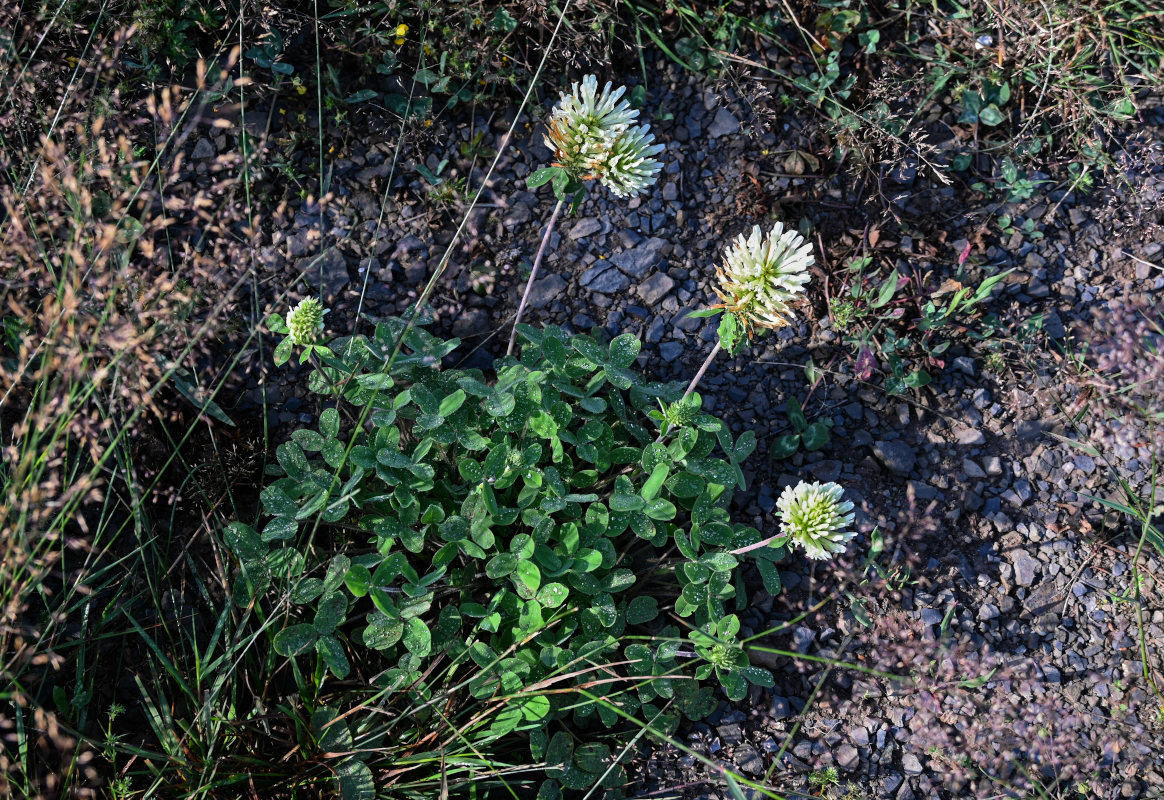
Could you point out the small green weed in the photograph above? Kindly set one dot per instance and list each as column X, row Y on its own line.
column 809, row 435
column 903, row 322
column 823, row 779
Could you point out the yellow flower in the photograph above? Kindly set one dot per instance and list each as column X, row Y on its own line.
column 301, row 89
column 401, row 30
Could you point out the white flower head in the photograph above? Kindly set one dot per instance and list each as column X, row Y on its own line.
column 816, row 518
column 305, row 321
column 630, row 166
column 763, row 274
column 591, row 136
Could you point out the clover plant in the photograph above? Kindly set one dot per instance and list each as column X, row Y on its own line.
column 540, row 527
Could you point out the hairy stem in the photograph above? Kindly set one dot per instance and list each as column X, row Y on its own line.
column 699, row 375
column 533, row 273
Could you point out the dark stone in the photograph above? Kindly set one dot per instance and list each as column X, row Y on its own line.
column 329, row 269
column 749, row 761
column 898, row 457
column 848, row 758
column 584, row 227
column 655, row 288
column 471, row 322
column 545, row 290
column 203, row 149
column 639, row 260
column 669, row 351
column 780, row 708
column 603, row 278
column 724, row 124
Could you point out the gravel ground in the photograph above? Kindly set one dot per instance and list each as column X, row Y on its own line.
column 990, row 533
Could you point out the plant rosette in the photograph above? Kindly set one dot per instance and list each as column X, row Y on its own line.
column 533, row 529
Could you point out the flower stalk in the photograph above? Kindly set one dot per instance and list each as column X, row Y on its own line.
column 533, row 273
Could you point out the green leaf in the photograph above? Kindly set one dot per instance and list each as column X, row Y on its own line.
column 619, row 579
column 744, row 446
column 283, row 351
column 331, row 612
column 183, row 380
column 306, row 590
column 280, row 528
column 355, row 781
column 332, row 652
column 720, row 562
column 329, row 423
column 382, row 632
column 559, row 182
column 685, row 485
column 642, row 609
column 361, row 96
column 654, row 483
column 522, row 545
column 784, row 446
column 660, row 509
column 451, row 403
column 887, row 290
column 604, row 608
column 816, row 436
column 626, row 502
column 308, row 439
column 592, row 350
column 417, row 637
column 244, row 541
column 769, row 575
column 541, row 176
column 918, row 379
column 559, row 754
column 587, row 560
column 295, row 640
column 729, row 333
column 330, row 734
column 529, row 574
column 552, row 595
column 293, row 461
column 285, row 563
column 734, row 685
column 971, row 105
column 534, row 708
column 501, row 565
column 624, row 350
column 758, row 675
column 990, row 115
column 358, row 580
column 796, row 415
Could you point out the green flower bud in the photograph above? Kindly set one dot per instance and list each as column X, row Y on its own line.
column 305, row 321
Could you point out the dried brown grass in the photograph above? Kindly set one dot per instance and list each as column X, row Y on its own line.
column 115, row 270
